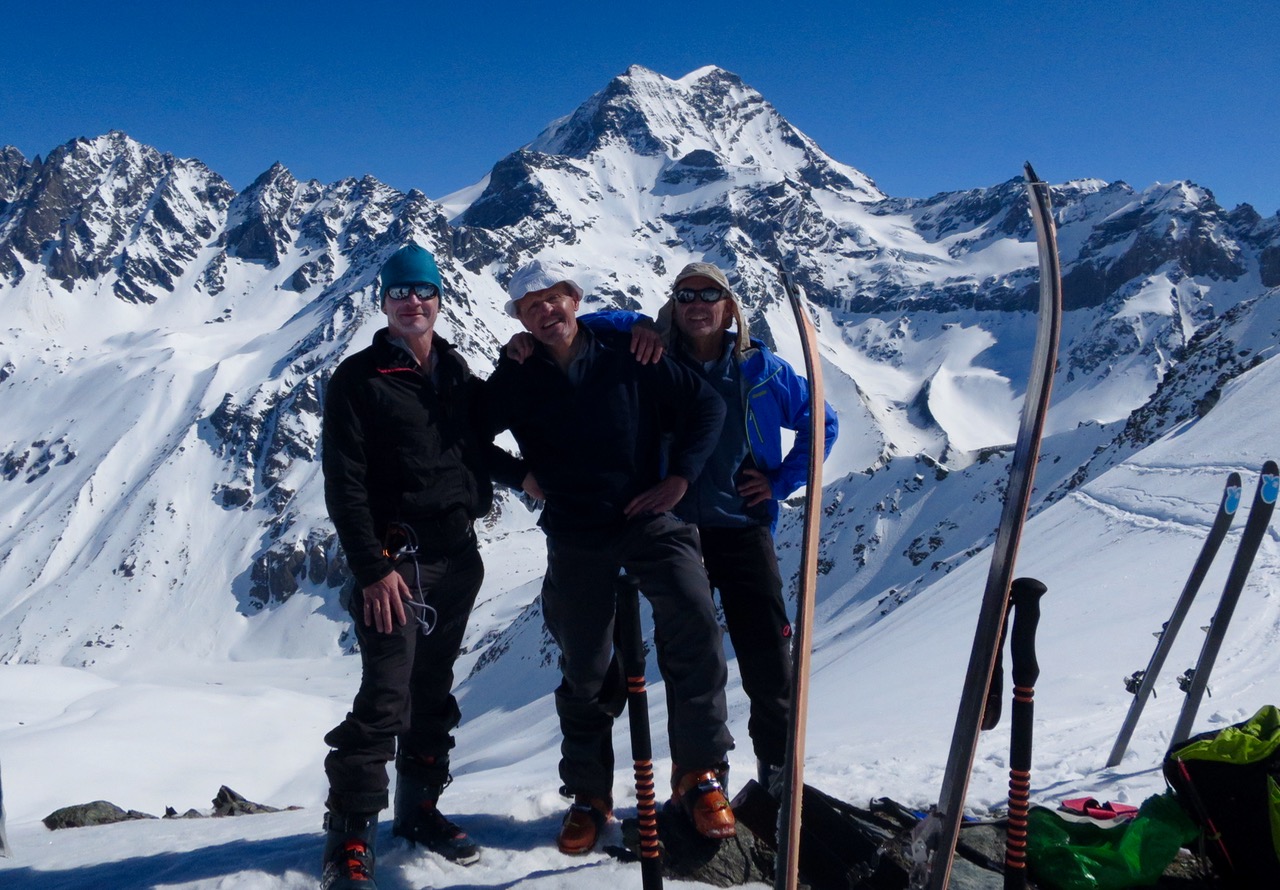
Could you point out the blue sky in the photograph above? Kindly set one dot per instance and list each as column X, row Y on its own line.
column 923, row 97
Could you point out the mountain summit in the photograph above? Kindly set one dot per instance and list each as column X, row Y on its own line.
column 168, row 341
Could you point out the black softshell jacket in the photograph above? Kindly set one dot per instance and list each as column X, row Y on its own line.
column 595, row 445
column 396, row 449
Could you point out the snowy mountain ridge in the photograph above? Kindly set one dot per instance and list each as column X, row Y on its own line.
column 166, row 344
column 232, row 309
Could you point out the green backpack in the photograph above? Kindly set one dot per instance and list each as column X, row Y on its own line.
column 1228, row 781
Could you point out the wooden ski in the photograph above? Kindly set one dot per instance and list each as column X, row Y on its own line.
column 786, row 875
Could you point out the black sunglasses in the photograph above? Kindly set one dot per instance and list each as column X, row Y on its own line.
column 706, row 295
column 423, row 292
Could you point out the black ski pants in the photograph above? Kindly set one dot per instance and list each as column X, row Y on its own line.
column 405, row 701
column 579, row 602
column 743, row 566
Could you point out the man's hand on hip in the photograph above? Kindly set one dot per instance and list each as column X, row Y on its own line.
column 659, row 499
column 384, row 602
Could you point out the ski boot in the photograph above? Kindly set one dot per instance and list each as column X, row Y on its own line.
column 770, row 777
column 582, row 823
column 702, row 798
column 349, row 851
column 419, row 821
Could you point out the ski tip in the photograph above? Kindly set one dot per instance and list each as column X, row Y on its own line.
column 789, row 285
column 1029, row 172
column 1269, row 484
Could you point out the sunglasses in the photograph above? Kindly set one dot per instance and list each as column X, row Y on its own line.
column 706, row 295
column 423, row 292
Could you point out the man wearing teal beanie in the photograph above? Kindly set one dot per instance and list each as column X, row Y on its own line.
column 406, row 471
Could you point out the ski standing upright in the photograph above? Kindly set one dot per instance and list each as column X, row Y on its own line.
column 4, row 841
column 934, row 839
column 1142, row 683
column 1255, row 528
column 786, row 873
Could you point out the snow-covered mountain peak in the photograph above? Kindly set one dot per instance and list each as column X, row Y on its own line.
column 698, row 74
column 167, row 342
column 113, row 211
column 707, row 119
column 123, row 267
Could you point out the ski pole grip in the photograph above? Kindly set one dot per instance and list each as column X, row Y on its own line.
column 628, row 618
column 1026, row 593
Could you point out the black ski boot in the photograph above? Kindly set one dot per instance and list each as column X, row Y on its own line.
column 349, row 851
column 418, row 820
column 770, row 777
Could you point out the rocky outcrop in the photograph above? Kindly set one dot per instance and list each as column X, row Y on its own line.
column 110, row 207
column 100, row 812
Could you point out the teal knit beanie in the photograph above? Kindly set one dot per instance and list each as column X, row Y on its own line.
column 410, row 264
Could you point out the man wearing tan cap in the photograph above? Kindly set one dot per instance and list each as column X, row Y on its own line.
column 734, row 501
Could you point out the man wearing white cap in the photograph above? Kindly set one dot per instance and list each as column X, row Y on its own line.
column 590, row 422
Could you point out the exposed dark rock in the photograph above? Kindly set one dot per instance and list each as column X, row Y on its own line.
column 256, row 229
column 317, row 271
column 513, row 193
column 110, row 204
column 1150, row 237
column 36, row 460
column 99, row 812
column 213, row 278
column 228, row 803
column 612, row 114
column 13, row 168
column 696, row 168
column 232, row 497
column 1001, row 210
column 687, row 856
column 1269, row 266
column 281, row 569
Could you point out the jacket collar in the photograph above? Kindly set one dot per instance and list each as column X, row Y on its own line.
column 391, row 356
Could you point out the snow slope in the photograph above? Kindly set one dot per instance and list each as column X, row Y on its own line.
column 168, row 576
column 1113, row 553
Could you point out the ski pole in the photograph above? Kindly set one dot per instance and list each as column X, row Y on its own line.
column 628, row 619
column 1026, row 593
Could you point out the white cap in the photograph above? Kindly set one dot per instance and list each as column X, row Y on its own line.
column 538, row 275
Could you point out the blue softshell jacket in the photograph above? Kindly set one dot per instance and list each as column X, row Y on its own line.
column 775, row 398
